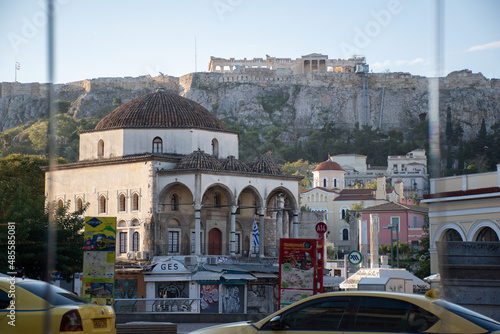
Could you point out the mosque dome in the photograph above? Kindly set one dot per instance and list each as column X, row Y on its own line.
column 266, row 166
column 328, row 165
column 199, row 160
column 233, row 164
column 161, row 110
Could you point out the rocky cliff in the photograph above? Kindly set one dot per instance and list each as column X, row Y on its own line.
column 294, row 103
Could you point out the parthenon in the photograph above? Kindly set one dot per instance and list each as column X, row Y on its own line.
column 313, row 62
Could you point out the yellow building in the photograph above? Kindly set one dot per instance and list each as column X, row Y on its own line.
column 463, row 208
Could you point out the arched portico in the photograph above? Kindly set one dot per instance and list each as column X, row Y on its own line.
column 478, row 229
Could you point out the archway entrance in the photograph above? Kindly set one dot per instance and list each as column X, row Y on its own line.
column 214, row 242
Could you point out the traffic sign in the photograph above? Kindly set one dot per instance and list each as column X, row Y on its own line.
column 355, row 257
column 321, row 227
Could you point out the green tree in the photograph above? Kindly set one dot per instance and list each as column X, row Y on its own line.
column 61, row 106
column 117, row 101
column 300, row 168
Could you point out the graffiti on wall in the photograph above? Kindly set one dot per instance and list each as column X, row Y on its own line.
column 126, row 288
column 232, row 298
column 209, row 295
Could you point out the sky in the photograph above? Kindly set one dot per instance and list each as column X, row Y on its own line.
column 119, row 38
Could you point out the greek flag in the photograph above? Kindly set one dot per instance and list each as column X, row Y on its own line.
column 255, row 233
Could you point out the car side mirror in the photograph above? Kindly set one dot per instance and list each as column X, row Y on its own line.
column 275, row 323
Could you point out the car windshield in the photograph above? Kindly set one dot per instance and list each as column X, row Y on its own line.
column 474, row 317
column 54, row 295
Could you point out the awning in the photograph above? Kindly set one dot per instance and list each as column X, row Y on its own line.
column 165, row 278
column 247, row 277
column 265, row 275
column 206, row 276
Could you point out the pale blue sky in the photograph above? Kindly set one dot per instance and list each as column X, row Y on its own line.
column 111, row 38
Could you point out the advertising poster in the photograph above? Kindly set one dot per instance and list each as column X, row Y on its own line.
column 99, row 260
column 298, row 270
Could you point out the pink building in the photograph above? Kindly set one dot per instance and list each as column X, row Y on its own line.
column 409, row 218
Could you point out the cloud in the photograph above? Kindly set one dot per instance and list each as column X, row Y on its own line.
column 396, row 63
column 487, row 46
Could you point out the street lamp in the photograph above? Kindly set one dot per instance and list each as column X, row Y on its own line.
column 392, row 227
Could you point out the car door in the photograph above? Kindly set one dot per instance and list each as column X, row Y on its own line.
column 388, row 315
column 321, row 315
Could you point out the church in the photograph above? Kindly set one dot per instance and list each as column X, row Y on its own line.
column 168, row 170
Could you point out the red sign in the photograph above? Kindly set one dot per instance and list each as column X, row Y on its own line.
column 321, row 227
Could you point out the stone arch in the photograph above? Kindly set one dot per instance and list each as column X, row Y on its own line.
column 441, row 232
column 249, row 201
column 209, row 194
column 100, row 148
column 215, row 148
column 478, row 227
column 184, row 196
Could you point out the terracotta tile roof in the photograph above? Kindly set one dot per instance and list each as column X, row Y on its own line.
column 394, row 207
column 320, row 188
column 233, row 164
column 199, row 160
column 355, row 195
column 328, row 165
column 265, row 165
column 160, row 110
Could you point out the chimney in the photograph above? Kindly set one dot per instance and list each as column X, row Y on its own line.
column 381, row 194
column 399, row 188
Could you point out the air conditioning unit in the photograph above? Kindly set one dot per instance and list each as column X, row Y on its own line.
column 141, row 255
column 130, row 255
column 211, row 260
column 190, row 260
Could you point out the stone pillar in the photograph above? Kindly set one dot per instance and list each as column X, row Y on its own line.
column 295, row 233
column 374, row 228
column 197, row 229
column 279, row 218
column 232, row 240
column 261, row 232
column 363, row 241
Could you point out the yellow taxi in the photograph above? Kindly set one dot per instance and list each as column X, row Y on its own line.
column 26, row 304
column 372, row 312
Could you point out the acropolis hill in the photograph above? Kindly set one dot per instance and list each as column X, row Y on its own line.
column 299, row 96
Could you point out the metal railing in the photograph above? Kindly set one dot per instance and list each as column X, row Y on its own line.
column 172, row 305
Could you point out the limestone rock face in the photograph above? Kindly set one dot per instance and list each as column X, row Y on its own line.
column 295, row 103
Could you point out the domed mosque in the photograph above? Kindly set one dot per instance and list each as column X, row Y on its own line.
column 168, row 170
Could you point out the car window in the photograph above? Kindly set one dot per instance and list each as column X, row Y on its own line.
column 419, row 320
column 320, row 314
column 51, row 293
column 4, row 299
column 381, row 315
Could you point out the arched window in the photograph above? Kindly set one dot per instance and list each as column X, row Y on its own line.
column 174, row 202
column 79, row 204
column 324, row 183
column 135, row 202
column 345, row 234
column 157, row 145
column 135, row 222
column 122, row 201
column 487, row 234
column 102, row 204
column 335, row 183
column 135, row 242
column 217, row 199
column 123, row 242
column 60, row 204
column 215, row 148
column 452, row 235
column 100, row 149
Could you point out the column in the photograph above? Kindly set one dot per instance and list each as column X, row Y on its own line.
column 363, row 241
column 295, row 232
column 232, row 240
column 374, row 228
column 279, row 218
column 197, row 229
column 261, row 232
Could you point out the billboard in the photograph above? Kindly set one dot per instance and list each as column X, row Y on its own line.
column 298, row 270
column 99, row 260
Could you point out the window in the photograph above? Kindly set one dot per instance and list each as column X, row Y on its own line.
column 121, row 206
column 395, row 221
column 324, row 183
column 135, row 242
column 60, row 204
column 345, row 234
column 215, row 148
column 102, row 204
column 452, row 235
column 135, row 202
column 173, row 241
column 487, row 234
column 123, row 242
column 157, row 145
column 321, row 314
column 335, row 183
column 100, row 149
column 79, row 204
column 413, row 184
column 415, row 222
column 174, row 202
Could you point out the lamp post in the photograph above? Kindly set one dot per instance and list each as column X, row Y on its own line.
column 392, row 227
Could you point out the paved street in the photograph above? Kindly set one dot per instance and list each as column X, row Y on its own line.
column 183, row 328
